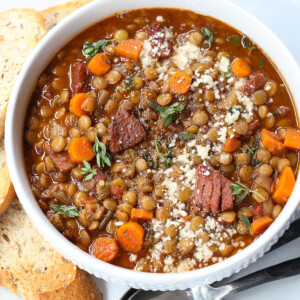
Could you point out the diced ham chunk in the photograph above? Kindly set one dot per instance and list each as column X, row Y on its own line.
column 117, row 192
column 79, row 76
column 61, row 160
column 161, row 47
column 212, row 191
column 256, row 82
column 125, row 130
column 283, row 111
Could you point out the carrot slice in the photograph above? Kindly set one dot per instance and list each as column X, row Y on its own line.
column 76, row 103
column 180, row 83
column 130, row 49
column 271, row 141
column 99, row 65
column 131, row 236
column 292, row 139
column 105, row 248
column 80, row 149
column 259, row 225
column 285, row 186
column 141, row 214
column 232, row 144
column 240, row 68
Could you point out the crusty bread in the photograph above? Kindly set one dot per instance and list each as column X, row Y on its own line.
column 7, row 192
column 54, row 15
column 20, row 31
column 31, row 268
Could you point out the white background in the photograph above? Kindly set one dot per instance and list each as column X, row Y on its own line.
column 283, row 17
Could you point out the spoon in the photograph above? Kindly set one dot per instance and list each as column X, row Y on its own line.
column 217, row 291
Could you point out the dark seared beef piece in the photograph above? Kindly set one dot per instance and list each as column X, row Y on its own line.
column 161, row 47
column 71, row 236
column 212, row 191
column 254, row 83
column 227, row 198
column 79, row 76
column 283, row 111
column 61, row 160
column 125, row 130
column 255, row 122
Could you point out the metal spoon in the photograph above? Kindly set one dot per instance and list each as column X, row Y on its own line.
column 218, row 291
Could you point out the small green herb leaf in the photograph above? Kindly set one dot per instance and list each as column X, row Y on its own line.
column 226, row 74
column 186, row 136
column 276, row 113
column 147, row 157
column 251, row 152
column 69, row 211
column 169, row 112
column 129, row 83
column 238, row 188
column 232, row 109
column 246, row 43
column 207, row 34
column 88, row 171
column 262, row 62
column 91, row 48
column 234, row 40
column 283, row 93
column 102, row 158
column 246, row 221
column 162, row 158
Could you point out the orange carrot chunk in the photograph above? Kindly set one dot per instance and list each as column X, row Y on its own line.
column 180, row 83
column 76, row 103
column 232, row 144
column 240, row 68
column 141, row 214
column 131, row 236
column 284, row 187
column 259, row 225
column 130, row 49
column 80, row 149
column 271, row 141
column 292, row 139
column 105, row 248
column 99, row 65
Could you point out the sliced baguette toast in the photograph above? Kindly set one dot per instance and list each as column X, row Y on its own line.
column 54, row 15
column 31, row 268
column 20, row 31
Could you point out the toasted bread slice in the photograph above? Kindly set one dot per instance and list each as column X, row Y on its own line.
column 7, row 192
column 54, row 15
column 20, row 31
column 31, row 268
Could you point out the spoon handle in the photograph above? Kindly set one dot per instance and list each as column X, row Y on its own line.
column 283, row 270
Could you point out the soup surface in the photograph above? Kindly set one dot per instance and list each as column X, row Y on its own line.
column 161, row 140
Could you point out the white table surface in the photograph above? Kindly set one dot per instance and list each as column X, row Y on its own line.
column 282, row 16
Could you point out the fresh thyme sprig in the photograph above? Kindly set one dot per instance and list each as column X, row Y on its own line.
column 91, row 48
column 162, row 158
column 251, row 152
column 102, row 157
column 239, row 188
column 88, row 171
column 147, row 157
column 169, row 112
column 246, row 221
column 69, row 211
column 246, row 43
column 207, row 34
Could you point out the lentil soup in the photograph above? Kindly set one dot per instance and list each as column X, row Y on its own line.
column 161, row 140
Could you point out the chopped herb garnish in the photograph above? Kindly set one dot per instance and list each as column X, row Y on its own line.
column 276, row 113
column 88, row 171
column 91, row 48
column 262, row 62
column 231, row 110
column 246, row 43
column 102, row 157
column 251, row 152
column 234, row 40
column 226, row 74
column 147, row 157
column 207, row 34
column 238, row 188
column 69, row 211
column 186, row 136
column 283, row 92
column 169, row 112
column 162, row 158
column 246, row 221
column 129, row 83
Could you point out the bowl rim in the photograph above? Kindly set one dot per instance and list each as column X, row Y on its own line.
column 84, row 260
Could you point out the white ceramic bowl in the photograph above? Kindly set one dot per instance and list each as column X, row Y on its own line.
column 20, row 98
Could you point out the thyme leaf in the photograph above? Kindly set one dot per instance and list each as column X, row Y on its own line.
column 186, row 136
column 242, row 190
column 90, row 49
column 102, row 158
column 246, row 43
column 147, row 157
column 232, row 109
column 262, row 62
column 163, row 158
column 207, row 34
column 129, row 83
column 69, row 211
column 88, row 171
column 246, row 221
column 234, row 40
